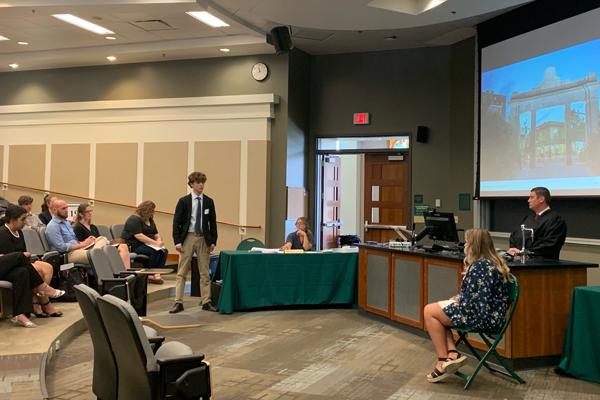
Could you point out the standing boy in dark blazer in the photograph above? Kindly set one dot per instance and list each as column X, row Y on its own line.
column 194, row 231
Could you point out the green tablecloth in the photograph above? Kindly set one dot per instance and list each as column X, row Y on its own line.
column 252, row 280
column 581, row 350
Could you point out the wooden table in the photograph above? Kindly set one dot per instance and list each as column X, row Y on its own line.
column 398, row 283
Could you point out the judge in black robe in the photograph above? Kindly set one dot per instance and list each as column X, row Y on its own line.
column 549, row 234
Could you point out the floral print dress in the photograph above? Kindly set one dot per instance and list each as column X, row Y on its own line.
column 483, row 299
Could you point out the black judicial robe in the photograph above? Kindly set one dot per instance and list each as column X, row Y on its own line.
column 549, row 234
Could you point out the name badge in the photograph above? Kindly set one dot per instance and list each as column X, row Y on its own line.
column 206, row 211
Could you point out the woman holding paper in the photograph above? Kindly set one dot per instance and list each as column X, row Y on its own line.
column 301, row 239
column 84, row 228
column 141, row 235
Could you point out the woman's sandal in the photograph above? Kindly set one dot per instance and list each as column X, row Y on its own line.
column 26, row 324
column 436, row 375
column 54, row 314
column 42, row 313
column 452, row 365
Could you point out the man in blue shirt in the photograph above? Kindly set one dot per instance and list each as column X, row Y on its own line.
column 60, row 236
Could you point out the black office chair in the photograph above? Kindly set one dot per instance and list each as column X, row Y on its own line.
column 105, row 375
column 174, row 372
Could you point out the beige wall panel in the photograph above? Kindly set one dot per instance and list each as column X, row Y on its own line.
column 165, row 173
column 13, row 194
column 164, row 224
column 1, row 162
column 220, row 161
column 229, row 237
column 70, row 169
column 26, row 165
column 116, row 172
column 257, row 199
column 108, row 214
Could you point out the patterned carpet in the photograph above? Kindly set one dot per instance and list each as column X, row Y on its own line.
column 315, row 354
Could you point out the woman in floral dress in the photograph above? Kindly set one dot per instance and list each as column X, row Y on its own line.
column 481, row 304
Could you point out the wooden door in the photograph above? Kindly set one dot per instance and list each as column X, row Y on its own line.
column 330, row 201
column 386, row 199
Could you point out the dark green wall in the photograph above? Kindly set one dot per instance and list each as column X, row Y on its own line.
column 184, row 78
column 402, row 89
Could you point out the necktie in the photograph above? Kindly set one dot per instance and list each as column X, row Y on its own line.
column 198, row 225
column 537, row 217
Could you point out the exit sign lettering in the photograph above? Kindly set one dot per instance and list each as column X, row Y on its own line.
column 361, row 118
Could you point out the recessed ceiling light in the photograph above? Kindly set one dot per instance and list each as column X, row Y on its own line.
column 3, row 38
column 393, row 37
column 82, row 23
column 225, row 50
column 207, row 18
column 110, row 38
column 111, row 58
column 23, row 43
column 14, row 65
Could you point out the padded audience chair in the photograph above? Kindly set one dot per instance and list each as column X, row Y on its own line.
column 249, row 243
column 139, row 299
column 108, row 283
column 116, row 230
column 174, row 372
column 105, row 381
column 105, row 231
column 5, row 299
column 491, row 340
column 42, row 233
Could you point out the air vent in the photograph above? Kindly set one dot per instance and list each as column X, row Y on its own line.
column 151, row 25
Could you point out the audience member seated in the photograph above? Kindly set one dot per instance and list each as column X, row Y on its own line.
column 32, row 221
column 482, row 302
column 16, row 268
column 11, row 240
column 84, row 228
column 46, row 216
column 61, row 237
column 301, row 239
column 141, row 235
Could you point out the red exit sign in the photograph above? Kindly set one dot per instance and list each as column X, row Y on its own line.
column 361, row 118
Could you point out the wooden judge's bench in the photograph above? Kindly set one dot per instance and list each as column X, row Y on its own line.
column 398, row 283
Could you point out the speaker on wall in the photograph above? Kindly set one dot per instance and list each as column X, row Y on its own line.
column 281, row 39
column 422, row 134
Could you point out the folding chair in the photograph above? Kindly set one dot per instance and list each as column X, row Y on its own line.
column 491, row 340
column 249, row 243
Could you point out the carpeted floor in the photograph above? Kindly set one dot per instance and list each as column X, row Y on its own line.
column 315, row 354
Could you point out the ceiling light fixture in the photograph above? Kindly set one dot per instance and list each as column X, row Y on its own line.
column 23, row 43
column 393, row 37
column 14, row 65
column 3, row 38
column 110, row 38
column 225, row 50
column 111, row 58
column 207, row 18
column 82, row 23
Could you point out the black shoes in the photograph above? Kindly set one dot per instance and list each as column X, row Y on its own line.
column 177, row 307
column 208, row 307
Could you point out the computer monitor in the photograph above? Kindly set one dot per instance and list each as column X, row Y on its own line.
column 441, row 226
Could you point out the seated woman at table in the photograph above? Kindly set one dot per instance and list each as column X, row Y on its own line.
column 301, row 239
column 482, row 302
column 84, row 228
column 141, row 235
column 11, row 241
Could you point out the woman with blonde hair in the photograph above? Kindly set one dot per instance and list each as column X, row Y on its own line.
column 141, row 235
column 482, row 302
